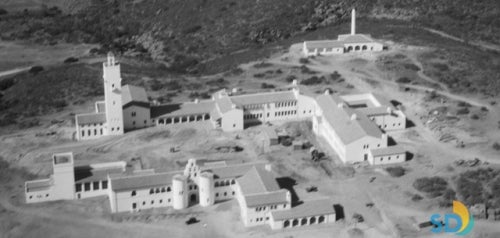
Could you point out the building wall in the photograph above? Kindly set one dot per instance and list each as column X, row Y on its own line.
column 395, row 121
column 325, row 130
column 279, row 224
column 306, row 106
column 40, row 195
column 64, row 181
column 387, row 159
column 224, row 189
column 123, row 201
column 261, row 215
column 232, row 120
column 370, row 46
column 359, row 150
column 91, row 189
column 136, row 117
column 91, row 131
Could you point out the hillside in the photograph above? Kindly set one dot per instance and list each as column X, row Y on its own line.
column 187, row 33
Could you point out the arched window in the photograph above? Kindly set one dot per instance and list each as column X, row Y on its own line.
column 163, row 189
column 303, row 221
column 227, row 182
column 233, row 182
column 133, row 193
column 216, row 184
column 157, row 190
column 168, row 189
column 151, row 191
column 364, row 47
column 321, row 219
column 286, row 224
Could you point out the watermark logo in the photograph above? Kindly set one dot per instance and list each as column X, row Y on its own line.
column 463, row 221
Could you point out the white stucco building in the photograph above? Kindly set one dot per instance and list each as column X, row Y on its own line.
column 253, row 185
column 344, row 44
column 357, row 134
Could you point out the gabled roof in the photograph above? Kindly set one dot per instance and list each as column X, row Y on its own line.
column 231, row 171
column 390, row 150
column 262, row 98
column 133, row 95
column 258, row 181
column 340, row 119
column 355, row 39
column 306, row 209
column 276, row 197
column 182, row 109
column 90, row 118
column 142, row 181
column 323, row 44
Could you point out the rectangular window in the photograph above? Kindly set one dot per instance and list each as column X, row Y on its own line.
column 104, row 184
column 96, row 185
column 78, row 187
column 133, row 114
column 87, row 186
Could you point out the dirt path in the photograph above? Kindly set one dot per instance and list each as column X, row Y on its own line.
column 14, row 71
column 482, row 45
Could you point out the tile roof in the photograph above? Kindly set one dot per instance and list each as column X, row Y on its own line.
column 339, row 118
column 390, row 150
column 373, row 111
column 231, row 171
column 258, row 180
column 141, row 181
column 355, row 39
column 88, row 174
column 132, row 93
column 323, row 44
column 262, row 98
column 276, row 197
column 38, row 185
column 306, row 209
column 90, row 118
column 182, row 109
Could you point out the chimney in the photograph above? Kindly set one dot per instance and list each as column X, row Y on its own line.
column 340, row 105
column 268, row 167
column 294, row 82
column 196, row 100
column 327, row 91
column 354, row 117
column 389, row 110
column 353, row 22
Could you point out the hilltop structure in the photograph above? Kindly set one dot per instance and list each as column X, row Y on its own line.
column 344, row 44
column 342, row 121
column 253, row 185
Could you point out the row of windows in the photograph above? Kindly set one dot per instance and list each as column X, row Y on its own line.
column 225, row 194
column 193, row 187
column 252, row 116
column 160, row 201
column 169, row 120
column 253, row 106
column 39, row 196
column 366, row 146
column 285, row 113
column 95, row 124
column 389, row 158
column 145, row 122
column 286, row 104
column 259, row 219
column 272, row 207
column 89, row 132
column 224, row 183
column 96, row 185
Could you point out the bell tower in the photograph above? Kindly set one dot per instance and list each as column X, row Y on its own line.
column 113, row 96
column 353, row 22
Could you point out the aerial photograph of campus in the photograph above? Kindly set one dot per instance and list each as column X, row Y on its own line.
column 249, row 118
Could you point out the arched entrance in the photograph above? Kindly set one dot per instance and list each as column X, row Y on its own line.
column 356, row 48
column 193, row 198
column 295, row 222
column 312, row 220
column 286, row 224
column 349, row 48
column 364, row 47
column 321, row 219
column 303, row 221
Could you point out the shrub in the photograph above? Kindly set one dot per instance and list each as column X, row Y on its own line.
column 36, row 69
column 416, row 197
column 3, row 11
column 335, row 76
column 463, row 111
column 474, row 116
column 305, row 70
column 155, row 85
column 6, row 83
column 70, row 60
column 266, row 86
column 290, row 78
column 396, row 171
column 440, row 66
column 403, row 80
column 447, row 199
column 411, row 67
column 304, row 60
column 259, row 75
column 496, row 146
column 313, row 80
column 433, row 186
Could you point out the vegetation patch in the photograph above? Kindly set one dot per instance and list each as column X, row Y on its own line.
column 432, row 186
column 479, row 186
column 396, row 171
